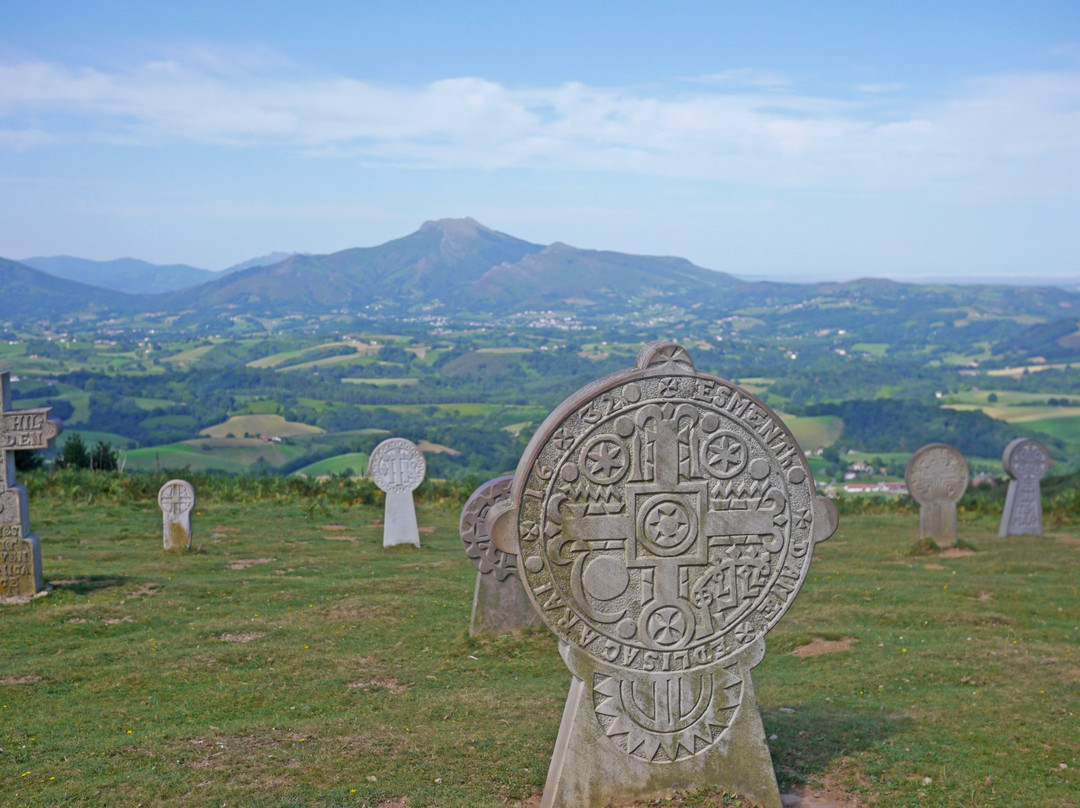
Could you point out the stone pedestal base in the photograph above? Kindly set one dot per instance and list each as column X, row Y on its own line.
column 588, row 769
column 500, row 607
column 937, row 520
column 20, row 564
column 400, row 520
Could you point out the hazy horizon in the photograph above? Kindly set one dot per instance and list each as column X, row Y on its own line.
column 772, row 140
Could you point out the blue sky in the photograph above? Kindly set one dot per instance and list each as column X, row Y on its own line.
column 791, row 140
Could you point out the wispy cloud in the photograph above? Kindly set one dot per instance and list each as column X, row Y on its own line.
column 736, row 126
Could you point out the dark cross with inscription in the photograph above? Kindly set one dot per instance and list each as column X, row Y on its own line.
column 667, row 525
column 21, row 429
column 20, row 556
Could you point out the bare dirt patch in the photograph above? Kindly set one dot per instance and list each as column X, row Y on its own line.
column 400, row 802
column 1069, row 540
column 955, row 552
column 933, row 567
column 149, row 588
column 340, row 538
column 380, row 684
column 819, row 646
column 331, row 527
column 247, row 636
column 112, row 621
column 27, row 679
column 244, row 563
column 426, row 528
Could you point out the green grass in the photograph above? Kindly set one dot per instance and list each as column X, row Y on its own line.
column 356, row 461
column 1068, row 428
column 812, row 431
column 231, row 455
column 292, row 661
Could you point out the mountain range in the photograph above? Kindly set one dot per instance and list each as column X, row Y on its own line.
column 458, row 267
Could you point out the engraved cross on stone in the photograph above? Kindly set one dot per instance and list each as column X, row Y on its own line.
column 19, row 430
column 666, row 527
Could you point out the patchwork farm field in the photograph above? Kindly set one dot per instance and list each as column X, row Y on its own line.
column 292, row 661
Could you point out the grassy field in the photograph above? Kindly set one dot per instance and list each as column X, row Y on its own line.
column 354, row 461
column 813, row 431
column 273, row 425
column 292, row 661
column 231, row 455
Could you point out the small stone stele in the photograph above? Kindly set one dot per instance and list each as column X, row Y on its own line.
column 176, row 499
column 397, row 466
column 1026, row 461
column 937, row 477
column 664, row 520
column 20, row 550
column 500, row 604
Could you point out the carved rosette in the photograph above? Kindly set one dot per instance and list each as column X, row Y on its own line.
column 665, row 521
column 936, row 473
column 397, row 464
column 474, row 531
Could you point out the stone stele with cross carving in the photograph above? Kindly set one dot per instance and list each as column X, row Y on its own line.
column 664, row 520
column 20, row 550
column 397, row 466
column 1026, row 461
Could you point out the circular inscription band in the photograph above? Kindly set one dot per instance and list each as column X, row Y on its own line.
column 665, row 517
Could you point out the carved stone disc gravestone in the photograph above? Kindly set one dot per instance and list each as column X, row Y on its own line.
column 398, row 467
column 937, row 477
column 1025, row 461
column 176, row 499
column 20, row 550
column 665, row 520
column 500, row 604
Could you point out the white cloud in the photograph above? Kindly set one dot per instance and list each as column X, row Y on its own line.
column 738, row 126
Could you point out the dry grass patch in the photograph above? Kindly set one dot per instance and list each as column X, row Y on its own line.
column 244, row 563
column 247, row 636
column 819, row 646
column 27, row 679
column 377, row 684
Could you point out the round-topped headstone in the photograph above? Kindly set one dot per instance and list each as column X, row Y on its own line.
column 500, row 604
column 937, row 477
column 666, row 519
column 176, row 499
column 397, row 466
column 1026, row 461
column 472, row 526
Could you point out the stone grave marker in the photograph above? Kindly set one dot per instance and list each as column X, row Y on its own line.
column 1025, row 461
column 20, row 550
column 500, row 604
column 176, row 499
column 664, row 520
column 937, row 476
column 397, row 466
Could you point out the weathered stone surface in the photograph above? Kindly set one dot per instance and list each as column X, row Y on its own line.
column 176, row 499
column 937, row 476
column 397, row 466
column 500, row 604
column 665, row 520
column 20, row 550
column 1026, row 461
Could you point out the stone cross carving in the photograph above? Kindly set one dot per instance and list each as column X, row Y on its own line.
column 1025, row 461
column 20, row 550
column 664, row 520
column 500, row 604
column 177, row 499
column 937, row 476
column 398, row 467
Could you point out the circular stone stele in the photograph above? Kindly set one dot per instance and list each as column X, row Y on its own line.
column 475, row 534
column 1025, row 459
column 664, row 517
column 936, row 473
column 397, row 464
column 176, row 497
